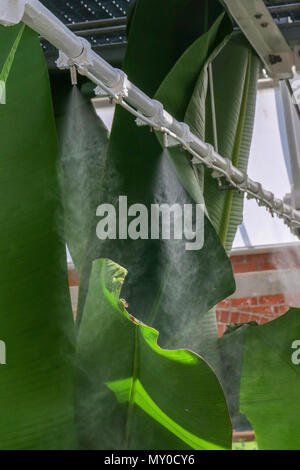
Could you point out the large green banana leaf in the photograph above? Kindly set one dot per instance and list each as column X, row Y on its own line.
column 132, row 394
column 83, row 139
column 168, row 287
column 183, row 76
column 201, row 333
column 36, row 324
column 235, row 74
column 231, row 347
column 263, row 364
column 270, row 383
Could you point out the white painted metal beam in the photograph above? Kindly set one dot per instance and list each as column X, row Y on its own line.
column 256, row 22
column 293, row 139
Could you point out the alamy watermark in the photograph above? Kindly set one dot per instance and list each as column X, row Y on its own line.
column 296, row 354
column 2, row 353
column 162, row 221
column 2, row 92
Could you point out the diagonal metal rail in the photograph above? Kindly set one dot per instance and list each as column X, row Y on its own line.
column 77, row 52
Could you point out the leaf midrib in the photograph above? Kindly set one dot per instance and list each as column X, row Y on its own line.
column 132, row 389
column 10, row 58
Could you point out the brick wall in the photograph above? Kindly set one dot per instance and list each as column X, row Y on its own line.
column 284, row 258
column 265, row 305
column 267, row 284
column 261, row 309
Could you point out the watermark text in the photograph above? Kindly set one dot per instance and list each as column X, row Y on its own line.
column 296, row 354
column 162, row 221
column 2, row 353
column 2, row 92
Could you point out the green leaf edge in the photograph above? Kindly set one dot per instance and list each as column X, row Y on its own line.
column 10, row 58
column 115, row 275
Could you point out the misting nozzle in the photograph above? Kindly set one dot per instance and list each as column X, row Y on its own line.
column 73, row 72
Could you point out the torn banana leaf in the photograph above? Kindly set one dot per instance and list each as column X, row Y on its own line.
column 131, row 394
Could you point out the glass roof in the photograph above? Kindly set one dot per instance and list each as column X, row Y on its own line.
column 78, row 11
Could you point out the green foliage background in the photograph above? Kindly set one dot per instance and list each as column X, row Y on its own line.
column 111, row 385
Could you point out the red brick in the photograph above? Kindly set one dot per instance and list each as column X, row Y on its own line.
column 255, row 318
column 244, row 301
column 237, row 259
column 285, row 260
column 234, row 317
column 224, row 316
column 259, row 258
column 267, row 266
column 225, row 303
column 244, row 268
column 268, row 309
column 264, row 320
column 244, row 317
column 283, row 308
column 245, row 309
column 271, row 299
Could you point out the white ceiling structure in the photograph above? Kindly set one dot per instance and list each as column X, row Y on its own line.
column 266, row 164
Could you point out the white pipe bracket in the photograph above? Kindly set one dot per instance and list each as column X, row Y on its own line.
column 11, row 11
column 259, row 188
column 228, row 170
column 157, row 117
column 245, row 184
column 209, row 157
column 118, row 91
column 63, row 61
column 82, row 62
column 186, row 137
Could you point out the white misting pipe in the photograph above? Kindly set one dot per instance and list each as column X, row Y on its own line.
column 77, row 51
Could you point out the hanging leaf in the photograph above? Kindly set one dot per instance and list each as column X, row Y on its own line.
column 201, row 333
column 36, row 324
column 130, row 13
column 235, row 74
column 263, row 366
column 270, row 383
column 131, row 393
column 168, row 286
column 183, row 76
column 231, row 347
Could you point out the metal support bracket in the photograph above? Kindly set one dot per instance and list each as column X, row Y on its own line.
column 257, row 24
column 119, row 89
column 157, row 117
column 82, row 61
